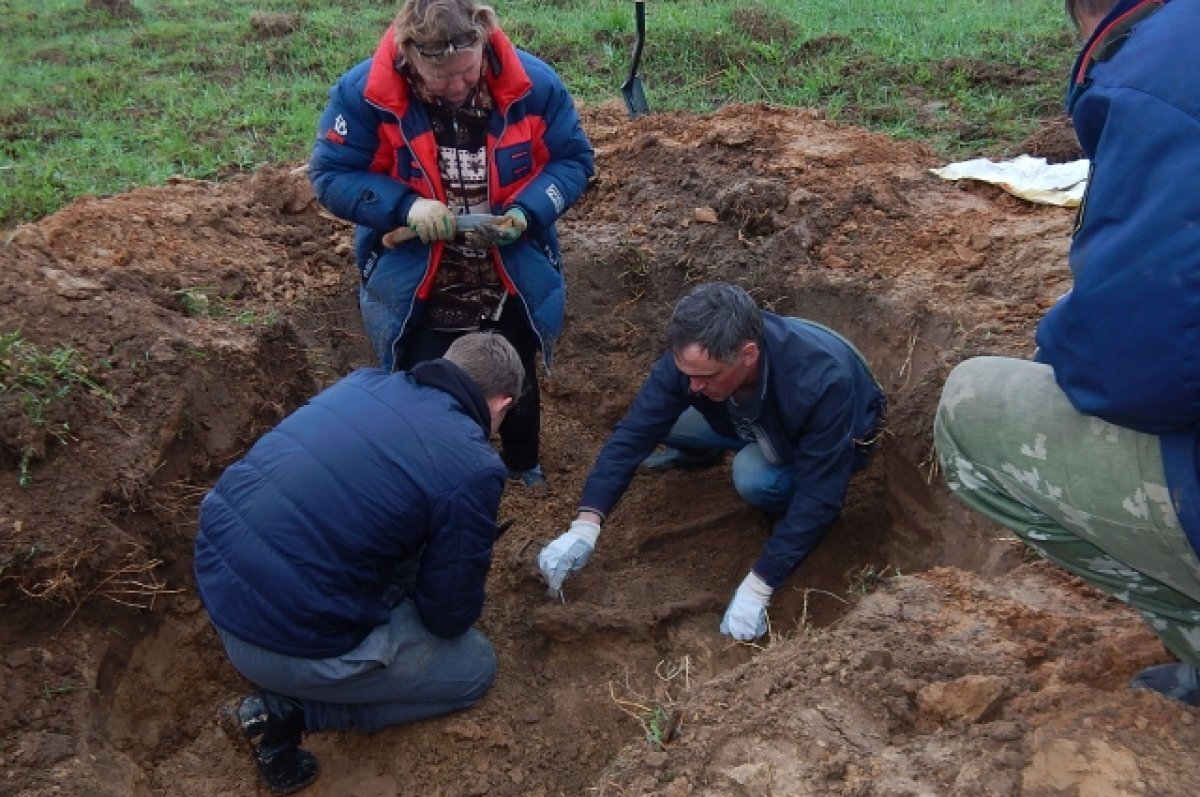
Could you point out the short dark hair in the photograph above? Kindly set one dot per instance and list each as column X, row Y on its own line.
column 716, row 316
column 491, row 362
column 1093, row 8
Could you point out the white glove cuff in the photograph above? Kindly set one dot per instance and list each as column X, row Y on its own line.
column 586, row 529
column 752, row 584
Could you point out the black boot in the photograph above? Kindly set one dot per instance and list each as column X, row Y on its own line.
column 272, row 725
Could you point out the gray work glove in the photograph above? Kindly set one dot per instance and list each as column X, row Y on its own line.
column 567, row 554
column 431, row 221
column 746, row 617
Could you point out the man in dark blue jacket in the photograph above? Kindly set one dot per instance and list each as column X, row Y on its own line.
column 342, row 560
column 795, row 400
column 1090, row 453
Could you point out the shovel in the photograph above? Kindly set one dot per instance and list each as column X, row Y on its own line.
column 631, row 89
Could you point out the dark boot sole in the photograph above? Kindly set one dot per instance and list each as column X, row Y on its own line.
column 295, row 787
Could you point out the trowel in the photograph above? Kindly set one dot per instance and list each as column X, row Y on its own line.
column 472, row 228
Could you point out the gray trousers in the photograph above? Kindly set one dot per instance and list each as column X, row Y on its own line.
column 1085, row 494
column 400, row 673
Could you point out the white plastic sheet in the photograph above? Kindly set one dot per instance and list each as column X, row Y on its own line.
column 1030, row 178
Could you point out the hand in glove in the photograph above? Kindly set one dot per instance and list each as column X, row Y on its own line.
column 568, row 554
column 431, row 221
column 503, row 231
column 746, row 617
column 510, row 226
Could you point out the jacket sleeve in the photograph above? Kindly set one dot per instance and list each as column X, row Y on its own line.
column 571, row 159
column 450, row 591
column 1125, row 342
column 823, row 465
column 659, row 403
column 345, row 167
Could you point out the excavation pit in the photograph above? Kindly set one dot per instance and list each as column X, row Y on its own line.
column 209, row 311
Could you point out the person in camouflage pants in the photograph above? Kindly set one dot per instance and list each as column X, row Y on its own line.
column 1088, row 495
column 1091, row 453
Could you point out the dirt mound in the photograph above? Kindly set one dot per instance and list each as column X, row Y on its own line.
column 157, row 333
column 946, row 683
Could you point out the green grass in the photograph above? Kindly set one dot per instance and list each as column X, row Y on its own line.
column 207, row 301
column 37, row 381
column 98, row 102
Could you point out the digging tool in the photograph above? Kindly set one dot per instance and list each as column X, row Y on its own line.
column 631, row 89
column 474, row 229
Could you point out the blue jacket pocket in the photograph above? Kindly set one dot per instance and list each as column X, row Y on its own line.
column 514, row 163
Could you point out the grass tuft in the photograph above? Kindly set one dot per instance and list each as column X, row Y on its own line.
column 35, row 381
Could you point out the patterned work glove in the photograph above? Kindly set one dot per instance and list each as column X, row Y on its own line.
column 431, row 221
column 511, row 227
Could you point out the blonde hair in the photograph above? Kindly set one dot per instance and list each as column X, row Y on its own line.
column 440, row 20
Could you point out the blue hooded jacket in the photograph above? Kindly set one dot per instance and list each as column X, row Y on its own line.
column 376, row 155
column 308, row 543
column 820, row 399
column 1125, row 342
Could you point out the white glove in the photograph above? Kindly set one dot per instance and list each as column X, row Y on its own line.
column 431, row 220
column 746, row 617
column 568, row 554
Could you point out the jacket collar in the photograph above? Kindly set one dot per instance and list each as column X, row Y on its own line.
column 1111, row 34
column 449, row 378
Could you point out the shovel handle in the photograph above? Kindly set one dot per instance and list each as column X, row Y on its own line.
column 398, row 236
column 639, row 16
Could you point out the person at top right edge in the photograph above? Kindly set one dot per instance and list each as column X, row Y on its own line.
column 1090, row 453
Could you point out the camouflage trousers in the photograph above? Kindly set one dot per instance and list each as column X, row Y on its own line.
column 1085, row 494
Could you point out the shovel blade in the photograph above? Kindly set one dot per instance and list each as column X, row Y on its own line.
column 635, row 97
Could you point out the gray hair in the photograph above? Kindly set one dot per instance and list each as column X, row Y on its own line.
column 717, row 317
column 491, row 362
column 440, row 20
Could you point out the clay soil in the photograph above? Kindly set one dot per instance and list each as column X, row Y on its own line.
column 917, row 652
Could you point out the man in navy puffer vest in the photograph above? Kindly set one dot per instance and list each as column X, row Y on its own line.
column 343, row 559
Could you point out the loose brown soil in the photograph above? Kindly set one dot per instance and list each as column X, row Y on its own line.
column 209, row 311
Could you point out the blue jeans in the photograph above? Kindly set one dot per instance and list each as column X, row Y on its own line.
column 758, row 482
column 400, row 673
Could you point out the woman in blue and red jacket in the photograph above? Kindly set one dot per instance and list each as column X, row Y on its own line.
column 448, row 118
